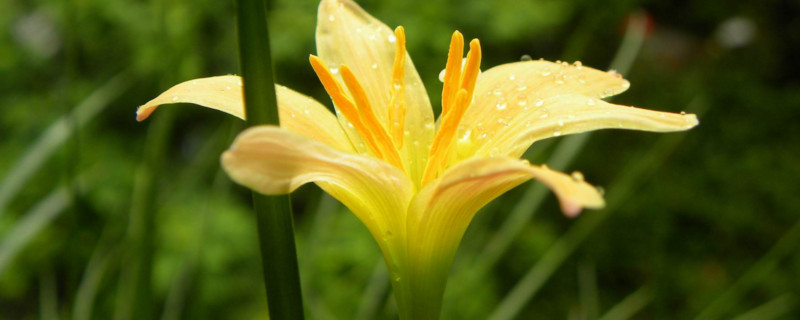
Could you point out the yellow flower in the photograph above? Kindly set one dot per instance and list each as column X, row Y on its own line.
column 416, row 183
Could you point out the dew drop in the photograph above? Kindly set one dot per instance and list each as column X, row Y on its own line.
column 539, row 102
column 601, row 190
column 557, row 133
column 227, row 87
column 374, row 66
column 590, row 102
column 545, row 115
column 174, row 98
column 306, row 112
column 293, row 115
column 525, row 57
column 522, row 103
column 483, row 136
column 466, row 135
column 522, row 88
column 331, row 18
column 560, row 123
column 392, row 38
column 442, row 74
column 545, row 73
column 511, row 77
column 577, row 176
column 501, row 106
column 334, row 70
column 578, row 65
column 194, row 82
column 683, row 113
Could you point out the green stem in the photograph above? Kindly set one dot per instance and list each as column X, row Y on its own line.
column 274, row 214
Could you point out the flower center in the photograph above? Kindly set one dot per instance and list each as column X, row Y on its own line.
column 382, row 142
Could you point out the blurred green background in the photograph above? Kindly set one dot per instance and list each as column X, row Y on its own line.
column 103, row 217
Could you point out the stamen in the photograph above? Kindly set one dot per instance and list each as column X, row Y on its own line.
column 369, row 119
column 343, row 103
column 444, row 137
column 397, row 107
column 440, row 148
column 472, row 68
column 452, row 73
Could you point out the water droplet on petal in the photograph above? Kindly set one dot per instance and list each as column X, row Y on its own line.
column 227, row 87
column 174, row 98
column 374, row 66
column 334, row 70
column 392, row 38
column 683, row 113
column 590, row 102
column 577, row 176
column 545, row 73
column 560, row 123
column 501, row 106
column 331, row 18
column 522, row 88
column 557, row 133
column 578, row 65
column 511, row 77
column 539, row 102
column 442, row 74
column 525, row 57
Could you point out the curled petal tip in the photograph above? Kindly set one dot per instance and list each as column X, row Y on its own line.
column 143, row 113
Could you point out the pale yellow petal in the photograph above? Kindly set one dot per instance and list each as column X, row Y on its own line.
column 273, row 161
column 298, row 112
column 223, row 93
column 304, row 115
column 505, row 92
column 569, row 114
column 348, row 35
column 454, row 198
column 441, row 212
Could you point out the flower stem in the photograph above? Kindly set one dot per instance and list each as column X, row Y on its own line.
column 274, row 214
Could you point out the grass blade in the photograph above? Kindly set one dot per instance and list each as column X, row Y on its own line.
column 274, row 213
column 629, row 306
column 773, row 309
column 587, row 285
column 57, row 134
column 376, row 294
column 787, row 244
column 92, row 277
column 31, row 224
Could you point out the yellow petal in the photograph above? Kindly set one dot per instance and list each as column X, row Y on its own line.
column 568, row 114
column 505, row 92
column 452, row 200
column 348, row 35
column 298, row 113
column 441, row 212
column 223, row 93
column 273, row 161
